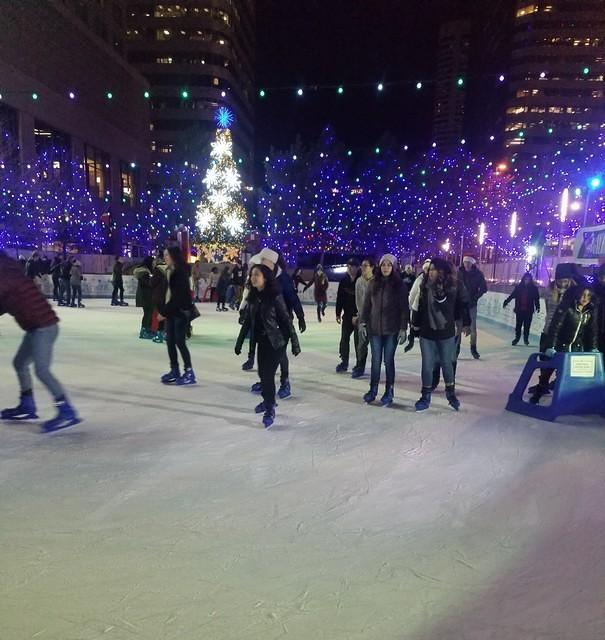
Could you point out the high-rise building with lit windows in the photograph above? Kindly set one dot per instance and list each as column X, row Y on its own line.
column 197, row 55
column 557, row 74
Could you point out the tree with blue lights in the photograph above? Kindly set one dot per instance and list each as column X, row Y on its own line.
column 221, row 216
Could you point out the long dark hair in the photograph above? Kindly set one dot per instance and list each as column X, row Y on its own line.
column 177, row 257
column 271, row 286
column 394, row 280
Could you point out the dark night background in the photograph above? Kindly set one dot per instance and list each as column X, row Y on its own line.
column 348, row 42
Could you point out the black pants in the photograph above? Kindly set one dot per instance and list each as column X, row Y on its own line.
column 523, row 322
column 269, row 359
column 346, row 329
column 76, row 292
column 284, row 368
column 147, row 316
column 65, row 291
column 56, row 289
column 118, row 285
column 176, row 337
column 362, row 350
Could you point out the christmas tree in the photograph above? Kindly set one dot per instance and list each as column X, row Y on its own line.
column 221, row 217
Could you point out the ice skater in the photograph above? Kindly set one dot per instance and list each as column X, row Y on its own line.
column 176, row 311
column 346, row 313
column 144, row 299
column 267, row 319
column 384, row 317
column 249, row 364
column 117, row 279
column 439, row 303
column 20, row 298
column 474, row 282
column 527, row 300
column 320, row 291
column 361, row 288
column 75, row 279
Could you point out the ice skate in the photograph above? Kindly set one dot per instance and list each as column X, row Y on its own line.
column 66, row 417
column 285, row 391
column 26, row 410
column 171, row 377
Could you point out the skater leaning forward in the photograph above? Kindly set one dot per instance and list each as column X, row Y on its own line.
column 20, row 298
column 269, row 322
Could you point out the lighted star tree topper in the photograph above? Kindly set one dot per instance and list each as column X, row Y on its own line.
column 221, row 217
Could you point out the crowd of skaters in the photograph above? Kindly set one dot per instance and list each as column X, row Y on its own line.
column 379, row 306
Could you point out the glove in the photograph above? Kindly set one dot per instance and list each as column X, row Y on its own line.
column 338, row 320
column 238, row 350
column 302, row 325
column 363, row 332
column 410, row 344
column 295, row 350
column 550, row 353
column 504, row 305
column 402, row 337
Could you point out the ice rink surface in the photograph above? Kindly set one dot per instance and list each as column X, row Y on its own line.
column 171, row 514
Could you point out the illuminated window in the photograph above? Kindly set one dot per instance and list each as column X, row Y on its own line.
column 163, row 60
column 169, row 11
column 515, row 110
column 128, row 183
column 165, row 148
column 163, row 34
column 526, row 10
column 216, row 82
column 97, row 170
column 53, row 148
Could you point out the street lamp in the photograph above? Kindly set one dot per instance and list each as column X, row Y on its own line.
column 594, row 184
column 563, row 215
column 446, row 246
column 513, row 224
column 482, row 236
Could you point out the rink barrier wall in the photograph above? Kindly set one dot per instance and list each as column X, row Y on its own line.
column 490, row 305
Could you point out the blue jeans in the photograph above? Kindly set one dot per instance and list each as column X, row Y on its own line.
column 37, row 348
column 435, row 352
column 383, row 348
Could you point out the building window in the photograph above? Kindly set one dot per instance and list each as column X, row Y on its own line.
column 163, row 34
column 528, row 9
column 97, row 171
column 128, row 179
column 163, row 60
column 169, row 11
column 53, row 149
column 9, row 130
column 165, row 148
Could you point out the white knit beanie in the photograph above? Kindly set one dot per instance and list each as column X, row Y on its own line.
column 389, row 257
column 469, row 259
column 269, row 254
column 254, row 260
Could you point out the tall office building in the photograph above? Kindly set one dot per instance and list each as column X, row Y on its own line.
column 557, row 77
column 197, row 55
column 69, row 95
column 450, row 89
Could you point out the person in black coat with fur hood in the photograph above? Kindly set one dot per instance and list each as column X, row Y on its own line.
column 527, row 300
column 270, row 325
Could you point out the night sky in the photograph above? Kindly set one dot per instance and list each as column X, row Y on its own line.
column 348, row 42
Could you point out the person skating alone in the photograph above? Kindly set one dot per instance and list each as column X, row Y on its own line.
column 527, row 300
column 476, row 286
column 361, row 288
column 441, row 300
column 144, row 298
column 221, row 289
column 176, row 312
column 298, row 280
column 55, row 274
column 384, row 317
column 346, row 313
column 213, row 279
column 197, row 276
column 320, row 291
column 117, row 279
column 20, row 298
column 268, row 320
column 65, row 283
column 76, row 278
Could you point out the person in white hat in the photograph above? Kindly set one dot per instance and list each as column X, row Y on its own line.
column 384, row 318
column 274, row 261
column 476, row 287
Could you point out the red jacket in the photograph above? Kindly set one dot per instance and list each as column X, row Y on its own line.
column 21, row 298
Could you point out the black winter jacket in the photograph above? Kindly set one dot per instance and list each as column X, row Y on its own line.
column 180, row 295
column 345, row 298
column 449, row 304
column 267, row 314
column 599, row 292
column 386, row 309
column 533, row 298
column 291, row 299
column 475, row 284
column 572, row 329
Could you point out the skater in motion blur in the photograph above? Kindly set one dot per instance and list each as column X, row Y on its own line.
column 573, row 328
column 176, row 311
column 297, row 280
column 76, row 278
column 144, row 298
column 527, row 300
column 20, row 298
column 320, row 291
column 117, row 280
column 268, row 320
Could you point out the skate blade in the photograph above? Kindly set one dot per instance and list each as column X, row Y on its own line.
column 32, row 416
column 64, row 425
